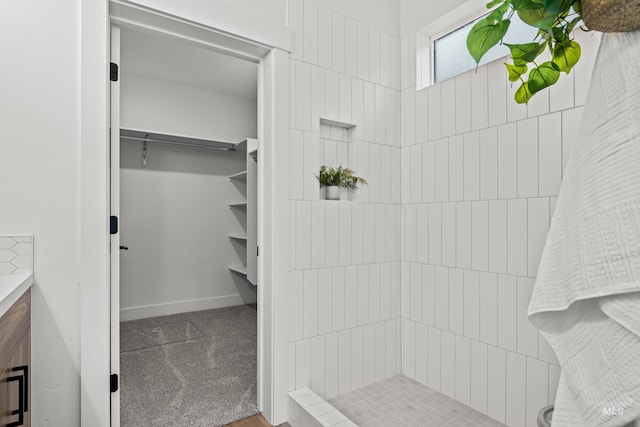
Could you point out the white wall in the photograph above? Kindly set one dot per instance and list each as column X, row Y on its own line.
column 175, row 217
column 480, row 179
column 415, row 14
column 344, row 285
column 39, row 187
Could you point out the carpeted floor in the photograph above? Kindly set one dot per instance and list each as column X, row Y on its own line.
column 192, row 369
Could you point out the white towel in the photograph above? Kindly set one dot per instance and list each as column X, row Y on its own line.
column 586, row 300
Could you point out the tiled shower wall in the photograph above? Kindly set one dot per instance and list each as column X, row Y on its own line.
column 480, row 178
column 345, row 255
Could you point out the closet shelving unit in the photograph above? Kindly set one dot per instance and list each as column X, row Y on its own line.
column 248, row 177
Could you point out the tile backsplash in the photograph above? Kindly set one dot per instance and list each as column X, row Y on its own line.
column 16, row 255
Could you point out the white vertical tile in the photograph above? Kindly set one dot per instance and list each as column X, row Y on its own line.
column 324, row 301
column 409, row 116
column 516, row 389
column 442, row 170
column 498, row 236
column 448, row 362
column 442, row 298
column 324, row 37
column 303, row 96
column 410, row 243
column 421, row 338
column 368, row 353
column 374, row 293
column 374, row 55
column 380, row 114
column 561, row 94
column 303, row 363
column 385, row 60
column 479, row 99
column 396, row 176
column 351, row 47
column 412, row 60
column 317, row 365
column 369, row 112
column 291, row 374
column 293, row 206
column 344, row 235
column 507, row 312
column 345, row 97
column 296, row 162
column 570, row 125
column 332, row 366
column 488, row 308
column 517, row 237
column 310, row 305
column 318, row 232
column 480, row 235
column 538, row 227
column 357, row 107
column 392, row 232
column 479, row 367
column 398, row 227
column 310, row 32
column 357, row 233
column 293, row 82
column 296, row 305
column 528, row 158
column 374, row 173
column 527, row 333
column 415, row 291
column 409, row 348
column 434, row 111
column 332, row 242
column 379, row 354
column 332, row 94
column 379, row 232
column 350, row 296
column 471, row 166
column 363, row 294
column 311, row 166
column 422, row 233
column 435, row 233
column 363, row 52
column 406, row 290
column 416, row 174
column 554, row 379
column 463, row 103
column 489, row 163
column 539, row 104
column 428, row 294
column 497, row 93
column 357, row 359
column 507, row 161
column 395, row 63
column 405, row 173
column 463, row 370
column 496, row 383
column 337, row 299
column 456, row 168
column 404, row 59
column 456, row 301
column 433, row 358
column 296, row 23
column 545, row 351
column 391, row 120
column 344, row 362
column 550, row 154
column 303, row 235
column 428, row 173
column 515, row 111
column 385, row 291
column 463, row 235
column 472, row 304
column 337, row 42
column 537, row 389
column 448, row 107
column 390, row 351
column 449, row 234
column 421, row 118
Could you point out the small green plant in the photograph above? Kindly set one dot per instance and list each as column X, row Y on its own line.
column 554, row 19
column 339, row 177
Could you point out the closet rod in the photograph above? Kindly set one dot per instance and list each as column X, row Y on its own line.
column 184, row 144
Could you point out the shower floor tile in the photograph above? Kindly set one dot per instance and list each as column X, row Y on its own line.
column 401, row 401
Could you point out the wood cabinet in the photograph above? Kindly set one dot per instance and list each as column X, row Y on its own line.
column 15, row 363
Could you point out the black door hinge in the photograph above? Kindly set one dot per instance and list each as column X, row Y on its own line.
column 113, row 225
column 113, row 74
column 114, row 383
column 257, row 250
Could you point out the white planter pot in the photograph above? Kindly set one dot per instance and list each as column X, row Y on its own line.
column 333, row 193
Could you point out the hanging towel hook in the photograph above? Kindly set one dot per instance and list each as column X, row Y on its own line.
column 144, row 151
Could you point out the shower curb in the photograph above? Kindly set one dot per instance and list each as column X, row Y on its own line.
column 307, row 409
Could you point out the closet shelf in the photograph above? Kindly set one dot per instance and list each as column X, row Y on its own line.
column 330, row 122
column 240, row 269
column 239, row 176
column 172, row 139
column 239, row 205
column 237, row 237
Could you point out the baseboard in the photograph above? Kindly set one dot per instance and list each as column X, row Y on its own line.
column 142, row 312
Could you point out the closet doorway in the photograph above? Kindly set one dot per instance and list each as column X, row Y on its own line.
column 187, row 192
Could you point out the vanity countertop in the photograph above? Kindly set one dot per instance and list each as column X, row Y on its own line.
column 11, row 289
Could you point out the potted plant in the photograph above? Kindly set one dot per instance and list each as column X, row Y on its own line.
column 332, row 179
column 555, row 20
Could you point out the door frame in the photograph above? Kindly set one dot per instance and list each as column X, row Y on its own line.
column 240, row 34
